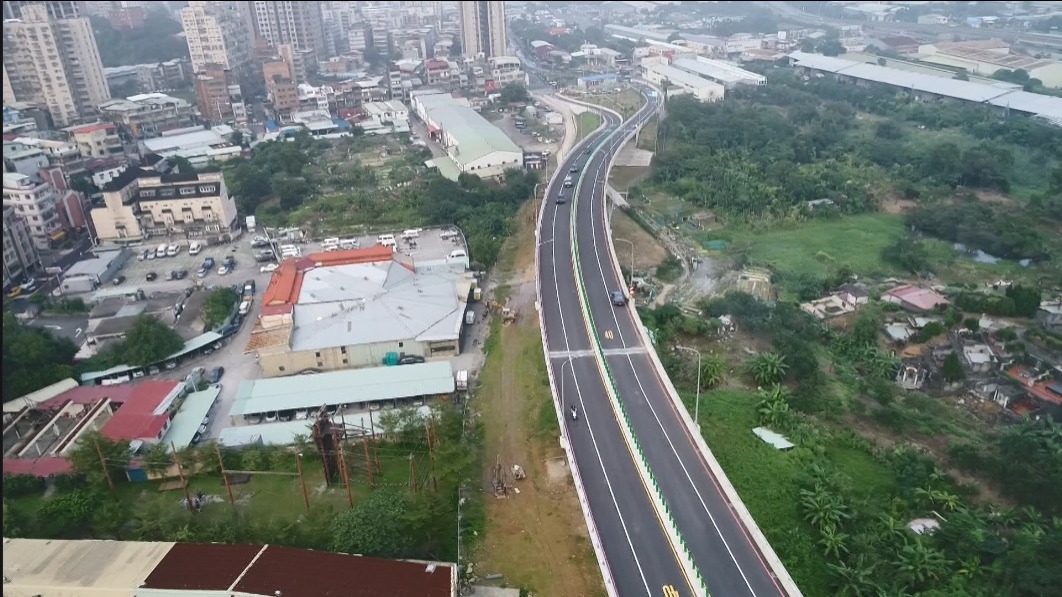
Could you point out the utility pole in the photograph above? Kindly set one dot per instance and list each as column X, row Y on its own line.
column 346, row 476
column 224, row 476
column 431, row 455
column 375, row 444
column 106, row 472
column 368, row 463
column 180, row 472
column 302, row 481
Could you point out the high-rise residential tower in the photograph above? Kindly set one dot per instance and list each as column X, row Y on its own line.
column 483, row 29
column 299, row 24
column 51, row 59
column 220, row 33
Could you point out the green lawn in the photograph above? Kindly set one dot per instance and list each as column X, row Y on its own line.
column 819, row 247
column 768, row 482
column 586, row 122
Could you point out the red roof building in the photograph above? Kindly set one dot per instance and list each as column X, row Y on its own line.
column 915, row 298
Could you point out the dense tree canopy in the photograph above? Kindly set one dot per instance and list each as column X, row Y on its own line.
column 33, row 358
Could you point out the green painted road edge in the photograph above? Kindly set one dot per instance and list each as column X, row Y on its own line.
column 613, row 392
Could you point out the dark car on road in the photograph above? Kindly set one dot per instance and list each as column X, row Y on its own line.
column 152, row 276
column 561, row 199
column 588, row 150
column 573, row 169
column 619, row 298
column 214, row 375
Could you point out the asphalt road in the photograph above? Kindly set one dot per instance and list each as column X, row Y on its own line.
column 721, row 547
column 638, row 551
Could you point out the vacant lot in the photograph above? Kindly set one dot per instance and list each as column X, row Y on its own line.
column 586, row 122
column 818, row 247
column 535, row 538
column 648, row 252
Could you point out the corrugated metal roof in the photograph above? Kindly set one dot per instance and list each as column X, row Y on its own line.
column 337, row 387
column 1033, row 103
column 718, row 70
column 476, row 137
column 186, row 422
column 683, row 78
column 284, row 433
column 75, row 568
column 367, row 303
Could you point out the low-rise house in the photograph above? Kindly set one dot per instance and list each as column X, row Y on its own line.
column 979, row 358
column 1040, row 387
column 912, row 375
column 915, row 298
column 898, row 333
column 1050, row 315
column 827, row 307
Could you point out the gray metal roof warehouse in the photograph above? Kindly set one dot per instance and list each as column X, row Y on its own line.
column 354, row 386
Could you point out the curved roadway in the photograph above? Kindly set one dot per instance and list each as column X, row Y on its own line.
column 639, row 553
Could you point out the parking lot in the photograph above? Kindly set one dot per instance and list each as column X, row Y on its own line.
column 136, row 271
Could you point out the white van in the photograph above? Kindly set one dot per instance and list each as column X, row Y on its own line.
column 195, row 248
column 387, row 240
column 458, row 254
column 330, row 244
column 245, row 307
column 411, row 234
column 470, row 317
column 173, row 250
column 161, row 251
column 289, row 251
column 348, row 243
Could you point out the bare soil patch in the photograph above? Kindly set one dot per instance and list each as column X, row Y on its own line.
column 648, row 252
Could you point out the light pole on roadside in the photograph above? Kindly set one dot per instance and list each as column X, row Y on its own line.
column 697, row 403
column 623, row 240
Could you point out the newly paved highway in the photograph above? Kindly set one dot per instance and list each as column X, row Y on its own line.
column 640, row 556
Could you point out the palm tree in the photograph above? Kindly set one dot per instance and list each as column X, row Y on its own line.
column 822, row 509
column 712, row 371
column 767, row 368
column 919, row 563
column 773, row 407
column 833, row 542
column 855, row 580
column 883, row 365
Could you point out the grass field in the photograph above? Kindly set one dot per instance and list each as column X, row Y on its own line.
column 818, row 247
column 769, row 480
column 586, row 122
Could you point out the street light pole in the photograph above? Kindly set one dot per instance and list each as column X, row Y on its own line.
column 632, row 257
column 697, row 403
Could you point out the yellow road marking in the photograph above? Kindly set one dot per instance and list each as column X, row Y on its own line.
column 670, row 591
column 608, row 334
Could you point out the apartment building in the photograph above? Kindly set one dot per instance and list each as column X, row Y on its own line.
column 219, row 33
column 143, row 203
column 98, row 140
column 483, row 29
column 147, row 115
column 35, row 202
column 51, row 59
column 506, row 70
column 20, row 253
column 299, row 24
column 218, row 96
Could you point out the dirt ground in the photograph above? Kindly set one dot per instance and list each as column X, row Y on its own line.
column 648, row 252
column 537, row 538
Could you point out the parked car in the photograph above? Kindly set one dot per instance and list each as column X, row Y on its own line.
column 142, row 255
column 271, row 267
column 151, row 276
column 215, row 374
column 223, row 270
column 118, row 280
column 410, row 359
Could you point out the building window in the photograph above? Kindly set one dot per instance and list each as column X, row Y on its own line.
column 280, row 368
column 188, row 190
column 344, row 361
column 400, row 344
column 343, row 349
column 147, row 193
column 317, row 354
column 207, row 189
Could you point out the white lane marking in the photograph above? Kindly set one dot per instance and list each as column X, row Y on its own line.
column 615, row 318
column 589, row 426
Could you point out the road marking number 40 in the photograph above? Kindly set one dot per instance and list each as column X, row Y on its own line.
column 670, row 591
column 609, row 335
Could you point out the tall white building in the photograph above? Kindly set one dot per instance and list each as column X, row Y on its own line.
column 483, row 29
column 51, row 59
column 20, row 254
column 299, row 24
column 219, row 33
column 34, row 201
